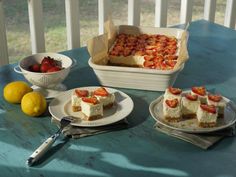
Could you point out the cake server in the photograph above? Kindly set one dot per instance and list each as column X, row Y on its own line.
column 45, row 146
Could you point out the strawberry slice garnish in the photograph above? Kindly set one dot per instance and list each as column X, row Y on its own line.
column 92, row 100
column 148, row 57
column 81, row 93
column 114, row 53
column 199, row 90
column 171, row 57
column 175, row 91
column 158, row 64
column 172, row 103
column 126, row 52
column 149, row 52
column 148, row 64
column 215, row 98
column 164, row 66
column 191, row 97
column 101, row 92
column 171, row 63
column 208, row 108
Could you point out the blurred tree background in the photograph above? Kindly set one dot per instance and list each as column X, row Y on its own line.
column 17, row 21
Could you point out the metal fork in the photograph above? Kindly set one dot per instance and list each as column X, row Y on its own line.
column 44, row 147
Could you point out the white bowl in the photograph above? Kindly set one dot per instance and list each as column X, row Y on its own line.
column 45, row 80
column 135, row 78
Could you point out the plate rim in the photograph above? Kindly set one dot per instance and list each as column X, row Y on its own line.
column 202, row 131
column 91, row 123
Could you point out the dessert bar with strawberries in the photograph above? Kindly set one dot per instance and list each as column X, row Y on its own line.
column 92, row 103
column 152, row 51
column 198, row 103
column 172, row 110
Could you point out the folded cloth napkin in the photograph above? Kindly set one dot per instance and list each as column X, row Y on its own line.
column 203, row 141
column 78, row 132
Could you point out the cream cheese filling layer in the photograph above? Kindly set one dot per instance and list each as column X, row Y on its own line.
column 205, row 117
column 127, row 61
column 75, row 100
column 106, row 100
column 189, row 106
column 201, row 98
column 90, row 109
column 220, row 105
column 170, row 96
column 171, row 112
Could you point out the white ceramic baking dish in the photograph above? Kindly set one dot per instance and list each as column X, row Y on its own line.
column 135, row 78
column 131, row 77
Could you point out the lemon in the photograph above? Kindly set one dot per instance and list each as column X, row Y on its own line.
column 33, row 104
column 14, row 91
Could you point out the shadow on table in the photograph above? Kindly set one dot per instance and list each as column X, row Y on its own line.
column 140, row 112
column 48, row 156
column 81, row 77
column 137, row 161
column 7, row 170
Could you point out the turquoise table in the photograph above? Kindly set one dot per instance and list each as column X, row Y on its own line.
column 139, row 150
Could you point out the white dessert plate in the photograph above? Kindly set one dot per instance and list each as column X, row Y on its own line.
column 191, row 125
column 60, row 107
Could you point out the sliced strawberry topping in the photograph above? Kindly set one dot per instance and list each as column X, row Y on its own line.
column 127, row 52
column 172, row 103
column 101, row 92
column 175, row 91
column 164, row 66
column 171, row 63
column 199, row 90
column 148, row 64
column 140, row 53
column 171, row 57
column 81, row 93
column 208, row 108
column 148, row 57
column 149, row 52
column 158, row 64
column 92, row 100
column 191, row 97
column 172, row 42
column 215, row 98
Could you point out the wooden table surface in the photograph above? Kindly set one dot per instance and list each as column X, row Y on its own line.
column 139, row 150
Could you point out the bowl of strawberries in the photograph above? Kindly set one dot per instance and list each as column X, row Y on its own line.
column 45, row 70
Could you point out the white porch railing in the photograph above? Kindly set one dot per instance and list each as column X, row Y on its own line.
column 73, row 27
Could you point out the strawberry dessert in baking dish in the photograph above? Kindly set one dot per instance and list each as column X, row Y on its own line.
column 153, row 51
